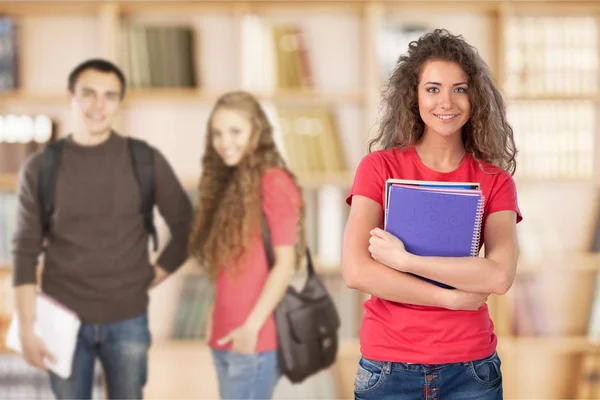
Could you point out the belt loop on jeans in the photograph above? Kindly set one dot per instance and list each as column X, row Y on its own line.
column 387, row 367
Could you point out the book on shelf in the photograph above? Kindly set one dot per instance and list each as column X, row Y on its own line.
column 594, row 326
column 555, row 138
column 274, row 56
column 392, row 41
column 9, row 75
column 556, row 57
column 195, row 300
column 441, row 219
column 158, row 56
column 310, row 140
column 8, row 209
column 551, row 55
column 21, row 136
column 589, row 381
column 595, row 247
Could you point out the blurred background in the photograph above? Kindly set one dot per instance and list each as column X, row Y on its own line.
column 318, row 67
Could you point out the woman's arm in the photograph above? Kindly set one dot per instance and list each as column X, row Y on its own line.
column 277, row 283
column 245, row 337
column 493, row 274
column 362, row 272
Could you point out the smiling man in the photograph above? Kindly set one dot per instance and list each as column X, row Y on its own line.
column 95, row 237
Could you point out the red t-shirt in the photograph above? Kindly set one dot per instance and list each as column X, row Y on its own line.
column 237, row 294
column 400, row 332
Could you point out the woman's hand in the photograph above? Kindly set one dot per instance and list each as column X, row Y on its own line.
column 465, row 301
column 243, row 340
column 388, row 249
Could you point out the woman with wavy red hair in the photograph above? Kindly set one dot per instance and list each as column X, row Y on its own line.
column 244, row 177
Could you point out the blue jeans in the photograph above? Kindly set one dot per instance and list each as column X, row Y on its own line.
column 122, row 348
column 246, row 376
column 475, row 380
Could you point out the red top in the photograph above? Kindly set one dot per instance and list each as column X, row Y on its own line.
column 237, row 294
column 401, row 332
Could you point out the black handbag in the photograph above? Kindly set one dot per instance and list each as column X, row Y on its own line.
column 307, row 323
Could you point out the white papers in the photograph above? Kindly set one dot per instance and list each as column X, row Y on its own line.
column 57, row 326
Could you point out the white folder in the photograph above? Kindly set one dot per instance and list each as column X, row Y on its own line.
column 57, row 326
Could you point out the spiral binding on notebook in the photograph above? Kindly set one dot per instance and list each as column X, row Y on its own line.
column 477, row 234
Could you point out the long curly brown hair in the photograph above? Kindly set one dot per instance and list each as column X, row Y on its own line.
column 486, row 135
column 229, row 206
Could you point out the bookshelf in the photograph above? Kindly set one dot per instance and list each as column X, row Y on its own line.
column 347, row 77
column 553, row 106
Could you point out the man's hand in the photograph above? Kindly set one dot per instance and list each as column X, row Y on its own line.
column 34, row 350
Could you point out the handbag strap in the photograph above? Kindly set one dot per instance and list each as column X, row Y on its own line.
column 266, row 235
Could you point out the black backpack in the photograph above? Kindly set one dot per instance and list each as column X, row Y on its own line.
column 307, row 323
column 142, row 157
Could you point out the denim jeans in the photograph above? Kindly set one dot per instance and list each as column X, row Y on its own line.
column 246, row 376
column 475, row 380
column 122, row 348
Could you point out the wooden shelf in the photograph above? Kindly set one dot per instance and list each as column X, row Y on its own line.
column 557, row 8
column 313, row 97
column 8, row 182
column 193, row 95
column 559, row 344
column 554, row 97
column 49, row 7
column 19, row 97
column 582, row 262
column 308, row 182
column 555, row 344
column 135, row 6
column 443, row 5
column 130, row 6
column 282, row 97
column 558, row 180
column 343, row 180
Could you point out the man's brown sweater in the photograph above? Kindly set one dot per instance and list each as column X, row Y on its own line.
column 96, row 261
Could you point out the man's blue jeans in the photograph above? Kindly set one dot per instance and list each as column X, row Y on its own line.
column 122, row 348
column 474, row 380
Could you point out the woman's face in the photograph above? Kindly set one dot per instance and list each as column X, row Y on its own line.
column 443, row 94
column 230, row 132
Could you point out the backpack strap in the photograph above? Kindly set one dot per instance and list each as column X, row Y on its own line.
column 47, row 182
column 266, row 236
column 142, row 156
column 270, row 253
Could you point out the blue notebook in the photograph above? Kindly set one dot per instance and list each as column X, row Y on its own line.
column 442, row 222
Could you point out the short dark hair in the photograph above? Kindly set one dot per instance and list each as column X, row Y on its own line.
column 99, row 65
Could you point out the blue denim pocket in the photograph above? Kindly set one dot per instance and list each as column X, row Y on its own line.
column 369, row 376
column 240, row 365
column 487, row 371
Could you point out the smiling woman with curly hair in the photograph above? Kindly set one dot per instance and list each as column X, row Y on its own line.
column 243, row 178
column 443, row 120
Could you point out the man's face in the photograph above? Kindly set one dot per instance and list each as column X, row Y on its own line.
column 95, row 101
